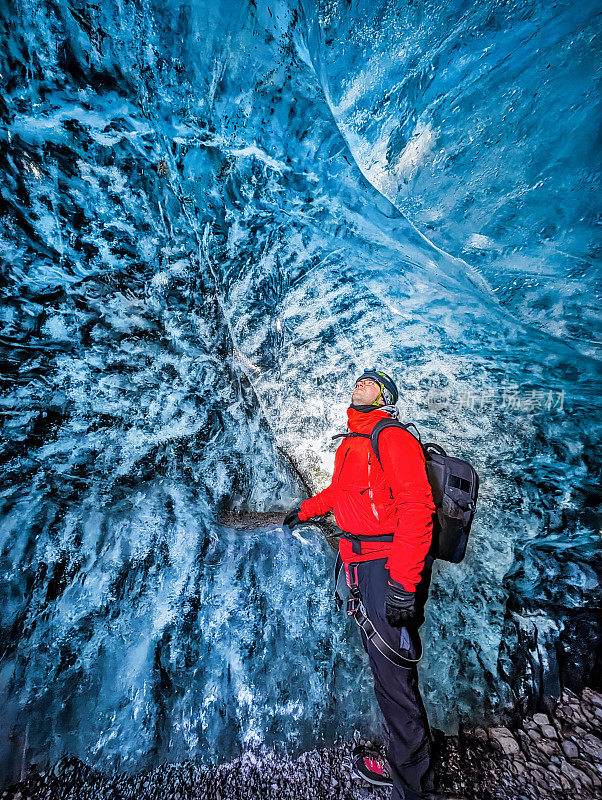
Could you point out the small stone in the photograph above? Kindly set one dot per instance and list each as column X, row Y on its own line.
column 576, row 776
column 564, row 783
column 589, row 771
column 593, row 697
column 570, row 749
column 592, row 746
column 503, row 739
column 541, row 719
column 549, row 731
column 546, row 746
column 539, row 775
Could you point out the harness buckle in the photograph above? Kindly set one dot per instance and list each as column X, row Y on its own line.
column 352, row 606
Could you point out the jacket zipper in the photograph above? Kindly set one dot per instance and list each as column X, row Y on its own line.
column 342, row 463
column 370, row 492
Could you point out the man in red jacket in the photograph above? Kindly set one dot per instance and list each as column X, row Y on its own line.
column 385, row 509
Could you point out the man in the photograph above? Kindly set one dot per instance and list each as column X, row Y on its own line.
column 385, row 509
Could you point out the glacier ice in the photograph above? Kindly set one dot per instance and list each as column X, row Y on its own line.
column 214, row 213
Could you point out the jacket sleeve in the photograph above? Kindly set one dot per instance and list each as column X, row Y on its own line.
column 317, row 505
column 404, row 467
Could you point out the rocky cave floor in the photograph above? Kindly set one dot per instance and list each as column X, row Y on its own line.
column 537, row 756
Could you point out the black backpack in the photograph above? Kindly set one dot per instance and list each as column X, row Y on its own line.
column 455, row 487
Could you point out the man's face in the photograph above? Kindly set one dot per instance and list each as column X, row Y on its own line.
column 365, row 393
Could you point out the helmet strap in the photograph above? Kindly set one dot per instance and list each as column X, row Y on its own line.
column 375, row 403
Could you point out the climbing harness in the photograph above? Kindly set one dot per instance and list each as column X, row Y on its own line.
column 357, row 610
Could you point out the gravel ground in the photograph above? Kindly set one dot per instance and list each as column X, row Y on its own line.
column 543, row 756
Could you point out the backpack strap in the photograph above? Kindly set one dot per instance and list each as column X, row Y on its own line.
column 379, row 428
column 350, row 435
column 391, row 423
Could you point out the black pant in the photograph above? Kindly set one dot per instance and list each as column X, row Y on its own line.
column 396, row 687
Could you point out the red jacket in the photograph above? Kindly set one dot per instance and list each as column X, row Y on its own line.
column 373, row 500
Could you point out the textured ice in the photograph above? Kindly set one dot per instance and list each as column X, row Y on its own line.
column 214, row 214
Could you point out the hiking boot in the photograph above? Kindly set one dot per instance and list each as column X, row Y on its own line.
column 443, row 796
column 370, row 766
column 439, row 796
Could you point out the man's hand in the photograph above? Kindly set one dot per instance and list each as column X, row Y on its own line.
column 292, row 519
column 400, row 605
